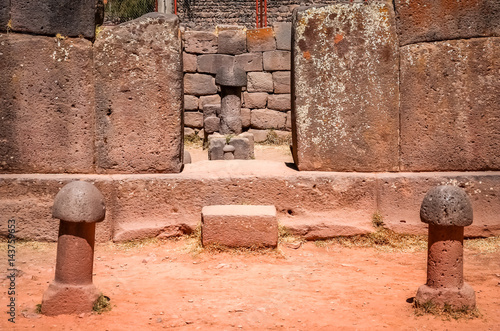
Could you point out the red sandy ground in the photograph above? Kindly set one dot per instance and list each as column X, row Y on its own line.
column 164, row 285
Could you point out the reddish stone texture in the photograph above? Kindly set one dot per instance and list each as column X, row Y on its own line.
column 199, row 84
column 276, row 60
column 450, row 114
column 189, row 62
column 283, row 33
column 260, row 40
column 345, row 87
column 255, row 100
column 279, row 102
column 239, row 226
column 209, row 99
column 193, row 119
column 249, row 61
column 139, row 96
column 281, row 80
column 260, row 82
column 51, row 17
column 245, row 117
column 209, row 63
column 232, row 42
column 46, row 105
column 4, row 14
column 190, row 102
column 436, row 20
column 267, row 119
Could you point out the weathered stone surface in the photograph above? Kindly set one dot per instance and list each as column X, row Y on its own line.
column 79, row 202
column 193, row 119
column 436, row 20
column 189, row 132
column 211, row 124
column 260, row 40
column 279, row 102
column 187, row 157
column 51, row 17
column 346, row 95
column 211, row 110
column 209, row 63
column 199, row 84
column 241, row 148
column 216, row 145
column 450, row 114
column 230, row 120
column 446, row 205
column 251, row 142
column 281, row 81
column 260, row 82
column 283, row 32
column 189, row 62
column 139, row 128
column 46, row 105
column 239, row 226
column 255, row 100
column 209, row 99
column 288, row 125
column 249, row 61
column 245, row 117
column 276, row 60
column 259, row 135
column 4, row 14
column 190, row 102
column 200, row 42
column 267, row 119
column 318, row 227
column 232, row 42
column 401, row 194
column 231, row 76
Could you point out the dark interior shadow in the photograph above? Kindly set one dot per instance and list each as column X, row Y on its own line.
column 292, row 165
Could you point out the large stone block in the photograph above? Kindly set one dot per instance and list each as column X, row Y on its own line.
column 450, row 105
column 4, row 14
column 436, row 20
column 281, row 81
column 260, row 82
column 46, row 105
column 279, row 102
column 50, row 17
column 209, row 99
column 189, row 62
column 209, row 63
column 139, row 96
column 200, row 42
column 255, row 100
column 345, row 77
column 267, row 119
column 191, row 102
column 260, row 40
column 276, row 60
column 283, row 32
column 193, row 119
column 232, row 41
column 249, row 61
column 239, row 226
column 199, row 84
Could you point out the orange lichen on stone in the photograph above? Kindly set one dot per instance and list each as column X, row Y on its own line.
column 338, row 38
column 307, row 55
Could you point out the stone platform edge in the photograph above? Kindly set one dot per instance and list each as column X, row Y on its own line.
column 315, row 205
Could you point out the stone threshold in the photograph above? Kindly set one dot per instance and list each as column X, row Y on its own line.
column 315, row 205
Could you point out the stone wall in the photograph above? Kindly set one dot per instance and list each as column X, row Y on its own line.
column 264, row 54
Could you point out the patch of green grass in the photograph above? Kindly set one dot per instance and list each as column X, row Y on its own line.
column 447, row 312
column 382, row 239
column 102, row 304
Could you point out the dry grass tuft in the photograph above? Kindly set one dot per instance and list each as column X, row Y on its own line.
column 102, row 304
column 483, row 245
column 136, row 244
column 273, row 139
column 447, row 312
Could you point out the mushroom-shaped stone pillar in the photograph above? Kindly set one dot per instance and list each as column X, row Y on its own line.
column 231, row 80
column 447, row 210
column 78, row 205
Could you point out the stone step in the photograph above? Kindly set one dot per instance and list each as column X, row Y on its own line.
column 239, row 226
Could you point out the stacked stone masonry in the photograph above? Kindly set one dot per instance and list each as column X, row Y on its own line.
column 264, row 54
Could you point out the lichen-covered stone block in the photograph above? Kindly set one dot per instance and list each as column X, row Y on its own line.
column 249, row 61
column 138, row 69
column 436, row 20
column 240, row 226
column 283, row 32
column 232, row 41
column 345, row 87
column 276, row 60
column 46, row 105
column 209, row 63
column 200, row 42
column 261, row 40
column 450, row 113
column 199, row 84
column 50, row 17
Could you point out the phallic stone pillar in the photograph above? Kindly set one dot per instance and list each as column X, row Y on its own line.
column 447, row 210
column 231, row 80
column 79, row 205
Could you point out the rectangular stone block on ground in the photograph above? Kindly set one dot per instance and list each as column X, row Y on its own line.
column 450, row 105
column 437, row 20
column 50, row 17
column 139, row 96
column 239, row 226
column 46, row 105
column 345, row 77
